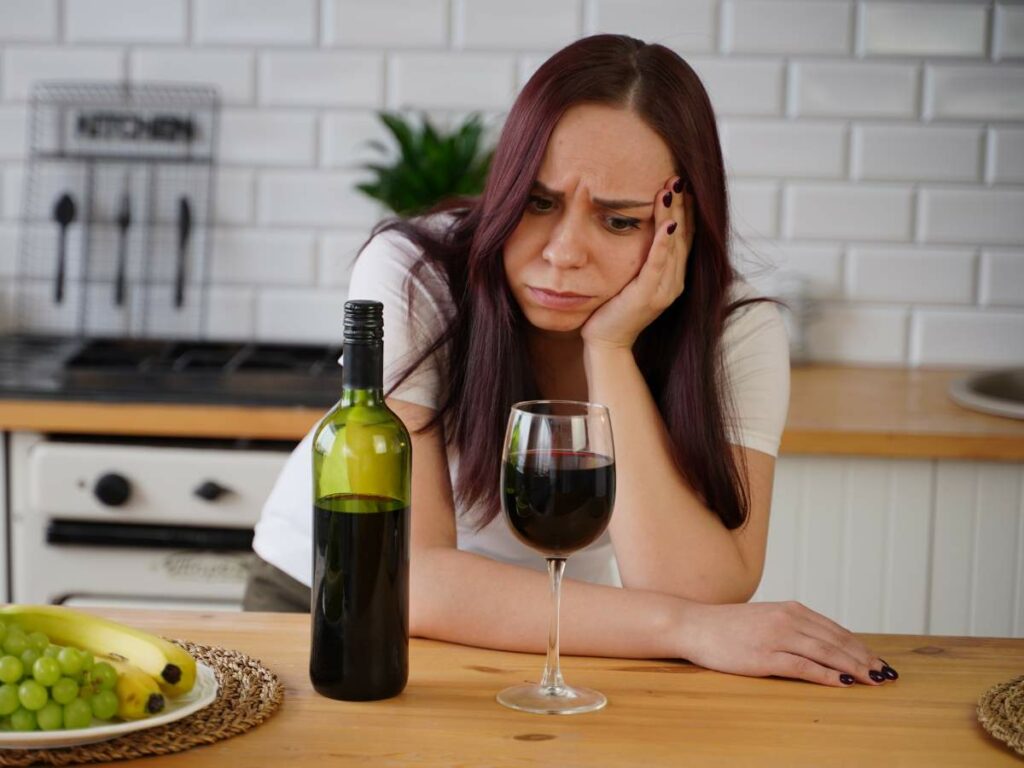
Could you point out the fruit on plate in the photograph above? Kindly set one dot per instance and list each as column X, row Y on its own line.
column 172, row 667
column 65, row 687
column 138, row 694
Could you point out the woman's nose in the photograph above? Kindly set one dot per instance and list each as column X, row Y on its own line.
column 565, row 248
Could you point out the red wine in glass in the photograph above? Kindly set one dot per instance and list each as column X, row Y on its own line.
column 557, row 491
column 559, row 501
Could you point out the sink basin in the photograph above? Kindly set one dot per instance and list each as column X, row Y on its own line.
column 998, row 392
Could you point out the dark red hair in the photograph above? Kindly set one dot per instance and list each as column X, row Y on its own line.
column 484, row 363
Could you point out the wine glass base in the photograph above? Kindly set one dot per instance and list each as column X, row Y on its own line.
column 565, row 700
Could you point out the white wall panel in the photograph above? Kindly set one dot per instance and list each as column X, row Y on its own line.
column 997, row 517
column 849, row 537
column 976, row 562
column 782, row 563
column 821, row 534
column 908, row 547
column 5, row 554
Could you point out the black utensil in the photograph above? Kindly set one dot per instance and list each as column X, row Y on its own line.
column 124, row 220
column 184, row 230
column 63, row 214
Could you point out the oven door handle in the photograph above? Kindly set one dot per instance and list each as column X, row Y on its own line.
column 135, row 536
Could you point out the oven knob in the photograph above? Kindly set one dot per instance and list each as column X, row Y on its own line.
column 211, row 491
column 112, row 489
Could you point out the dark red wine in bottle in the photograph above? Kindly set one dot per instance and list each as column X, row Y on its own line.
column 362, row 462
column 558, row 501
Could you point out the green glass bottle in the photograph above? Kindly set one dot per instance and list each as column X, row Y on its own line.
column 362, row 473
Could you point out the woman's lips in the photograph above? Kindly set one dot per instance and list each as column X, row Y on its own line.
column 556, row 300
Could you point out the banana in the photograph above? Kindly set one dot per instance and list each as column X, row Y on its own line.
column 138, row 694
column 172, row 667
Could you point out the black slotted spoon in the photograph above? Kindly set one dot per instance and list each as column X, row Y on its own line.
column 63, row 214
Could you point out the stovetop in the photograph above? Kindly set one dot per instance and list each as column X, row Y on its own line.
column 155, row 370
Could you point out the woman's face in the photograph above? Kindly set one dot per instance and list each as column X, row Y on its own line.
column 589, row 222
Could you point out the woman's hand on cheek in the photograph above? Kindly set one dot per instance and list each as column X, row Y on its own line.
column 618, row 322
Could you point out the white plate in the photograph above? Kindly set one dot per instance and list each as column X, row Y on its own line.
column 202, row 694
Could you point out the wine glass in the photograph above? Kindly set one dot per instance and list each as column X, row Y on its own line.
column 557, row 490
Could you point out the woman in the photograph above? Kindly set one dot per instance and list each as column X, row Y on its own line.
column 593, row 267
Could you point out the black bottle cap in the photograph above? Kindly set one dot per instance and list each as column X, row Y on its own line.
column 364, row 322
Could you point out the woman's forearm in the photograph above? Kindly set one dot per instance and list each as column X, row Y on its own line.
column 665, row 539
column 466, row 598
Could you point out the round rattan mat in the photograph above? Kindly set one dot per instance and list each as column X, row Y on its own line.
column 248, row 693
column 1001, row 713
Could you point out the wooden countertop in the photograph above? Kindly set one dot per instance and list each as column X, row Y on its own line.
column 892, row 412
column 659, row 713
column 833, row 410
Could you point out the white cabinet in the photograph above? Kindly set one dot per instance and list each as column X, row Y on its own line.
column 5, row 552
column 902, row 546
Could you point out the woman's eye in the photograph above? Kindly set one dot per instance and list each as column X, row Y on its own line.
column 540, row 204
column 622, row 223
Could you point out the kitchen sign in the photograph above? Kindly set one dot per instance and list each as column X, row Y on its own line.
column 131, row 132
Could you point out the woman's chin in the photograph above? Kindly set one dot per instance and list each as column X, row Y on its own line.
column 557, row 321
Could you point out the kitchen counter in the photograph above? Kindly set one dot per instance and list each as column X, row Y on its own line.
column 833, row 410
column 659, row 713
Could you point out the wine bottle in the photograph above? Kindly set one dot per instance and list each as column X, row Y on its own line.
column 362, row 466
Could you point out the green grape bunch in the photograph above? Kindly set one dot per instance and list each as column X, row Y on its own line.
column 47, row 687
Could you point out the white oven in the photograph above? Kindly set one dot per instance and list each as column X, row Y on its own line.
column 131, row 522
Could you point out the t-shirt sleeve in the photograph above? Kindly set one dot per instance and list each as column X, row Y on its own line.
column 755, row 352
column 383, row 272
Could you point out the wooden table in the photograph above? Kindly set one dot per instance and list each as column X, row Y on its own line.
column 659, row 713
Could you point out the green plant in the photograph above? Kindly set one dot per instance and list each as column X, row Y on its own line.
column 432, row 164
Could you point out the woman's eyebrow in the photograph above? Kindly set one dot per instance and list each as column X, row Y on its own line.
column 615, row 205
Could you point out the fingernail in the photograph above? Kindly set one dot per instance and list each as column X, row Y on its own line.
column 878, row 677
column 678, row 186
column 667, row 199
column 888, row 671
column 671, row 227
column 846, row 679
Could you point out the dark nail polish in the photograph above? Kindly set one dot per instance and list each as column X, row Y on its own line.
column 678, row 186
column 671, row 227
column 888, row 671
column 878, row 677
column 846, row 679
column 667, row 199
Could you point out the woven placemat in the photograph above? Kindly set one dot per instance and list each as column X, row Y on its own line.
column 1001, row 713
column 248, row 693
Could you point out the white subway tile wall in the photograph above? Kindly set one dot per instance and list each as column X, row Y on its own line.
column 28, row 21
column 875, row 148
column 787, row 26
column 1008, row 36
column 13, row 133
column 686, row 26
column 917, row 29
column 232, row 72
column 1001, row 278
column 852, row 89
column 969, row 337
column 125, row 21
column 910, row 153
column 499, row 24
column 259, row 138
column 385, row 23
column 1005, row 156
column 918, row 275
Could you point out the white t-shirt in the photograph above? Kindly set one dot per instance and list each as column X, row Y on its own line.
column 756, row 355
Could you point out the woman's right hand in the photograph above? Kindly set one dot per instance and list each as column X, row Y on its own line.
column 781, row 639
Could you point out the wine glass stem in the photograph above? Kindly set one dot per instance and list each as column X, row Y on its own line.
column 552, row 681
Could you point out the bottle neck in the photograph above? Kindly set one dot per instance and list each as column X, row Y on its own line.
column 363, row 374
